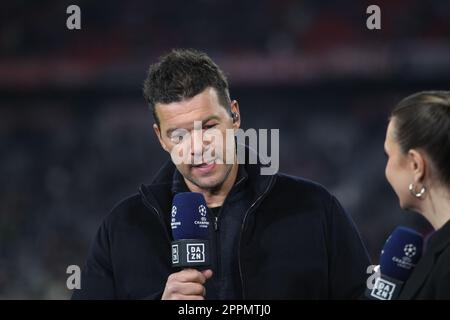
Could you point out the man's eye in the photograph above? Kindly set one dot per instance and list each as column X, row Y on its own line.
column 209, row 126
column 177, row 137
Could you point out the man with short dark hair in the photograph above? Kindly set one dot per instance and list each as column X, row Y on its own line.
column 275, row 236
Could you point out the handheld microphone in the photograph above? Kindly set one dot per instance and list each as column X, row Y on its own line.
column 399, row 257
column 190, row 224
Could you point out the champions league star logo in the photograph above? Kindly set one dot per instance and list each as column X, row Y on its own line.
column 174, row 211
column 174, row 223
column 406, row 261
column 201, row 210
column 410, row 250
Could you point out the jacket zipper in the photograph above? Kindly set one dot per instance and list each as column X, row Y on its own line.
column 217, row 249
column 216, row 218
column 158, row 215
column 217, row 237
column 216, row 223
column 242, row 231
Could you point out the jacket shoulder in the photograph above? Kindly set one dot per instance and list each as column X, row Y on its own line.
column 297, row 186
column 125, row 210
column 442, row 263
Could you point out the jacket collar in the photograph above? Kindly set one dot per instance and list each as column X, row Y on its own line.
column 168, row 180
column 438, row 241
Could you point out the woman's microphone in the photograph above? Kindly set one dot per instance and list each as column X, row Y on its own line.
column 399, row 257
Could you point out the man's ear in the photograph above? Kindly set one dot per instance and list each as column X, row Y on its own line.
column 158, row 135
column 418, row 165
column 234, row 108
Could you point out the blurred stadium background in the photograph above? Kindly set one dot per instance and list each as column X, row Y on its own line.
column 76, row 135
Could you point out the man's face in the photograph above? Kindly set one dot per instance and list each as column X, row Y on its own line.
column 204, row 156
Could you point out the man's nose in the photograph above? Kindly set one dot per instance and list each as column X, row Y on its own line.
column 197, row 143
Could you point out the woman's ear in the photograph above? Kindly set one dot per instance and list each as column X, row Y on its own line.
column 418, row 165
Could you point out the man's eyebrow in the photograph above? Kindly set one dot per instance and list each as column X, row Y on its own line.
column 210, row 118
column 169, row 131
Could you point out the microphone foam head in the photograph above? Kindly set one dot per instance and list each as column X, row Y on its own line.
column 400, row 254
column 189, row 216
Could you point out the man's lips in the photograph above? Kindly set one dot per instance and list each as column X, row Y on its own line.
column 204, row 167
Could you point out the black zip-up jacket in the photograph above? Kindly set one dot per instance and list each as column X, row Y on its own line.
column 430, row 279
column 295, row 242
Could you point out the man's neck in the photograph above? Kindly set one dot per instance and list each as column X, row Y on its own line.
column 216, row 197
